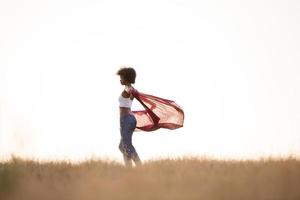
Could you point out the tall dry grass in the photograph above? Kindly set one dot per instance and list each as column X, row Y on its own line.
column 188, row 178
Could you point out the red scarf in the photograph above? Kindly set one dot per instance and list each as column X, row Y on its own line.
column 158, row 113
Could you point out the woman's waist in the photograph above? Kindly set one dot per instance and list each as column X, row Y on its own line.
column 125, row 111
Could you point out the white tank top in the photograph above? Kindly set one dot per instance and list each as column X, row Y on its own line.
column 125, row 102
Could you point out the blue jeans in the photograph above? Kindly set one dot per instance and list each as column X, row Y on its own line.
column 127, row 126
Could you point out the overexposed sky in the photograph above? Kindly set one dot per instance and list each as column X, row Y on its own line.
column 233, row 66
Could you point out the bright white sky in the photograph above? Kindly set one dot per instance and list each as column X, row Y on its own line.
column 233, row 66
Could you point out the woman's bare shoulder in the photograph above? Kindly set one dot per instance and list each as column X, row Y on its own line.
column 129, row 90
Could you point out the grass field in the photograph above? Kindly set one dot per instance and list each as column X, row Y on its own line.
column 170, row 179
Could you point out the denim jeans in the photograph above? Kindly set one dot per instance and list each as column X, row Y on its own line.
column 127, row 126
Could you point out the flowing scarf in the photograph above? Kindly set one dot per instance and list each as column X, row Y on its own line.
column 158, row 113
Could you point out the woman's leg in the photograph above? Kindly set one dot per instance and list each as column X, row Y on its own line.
column 129, row 152
column 136, row 159
column 134, row 155
column 127, row 161
column 128, row 125
column 126, row 156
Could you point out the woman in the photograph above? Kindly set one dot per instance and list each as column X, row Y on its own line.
column 158, row 113
column 127, row 119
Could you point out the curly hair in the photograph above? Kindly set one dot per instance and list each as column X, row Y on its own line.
column 128, row 73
